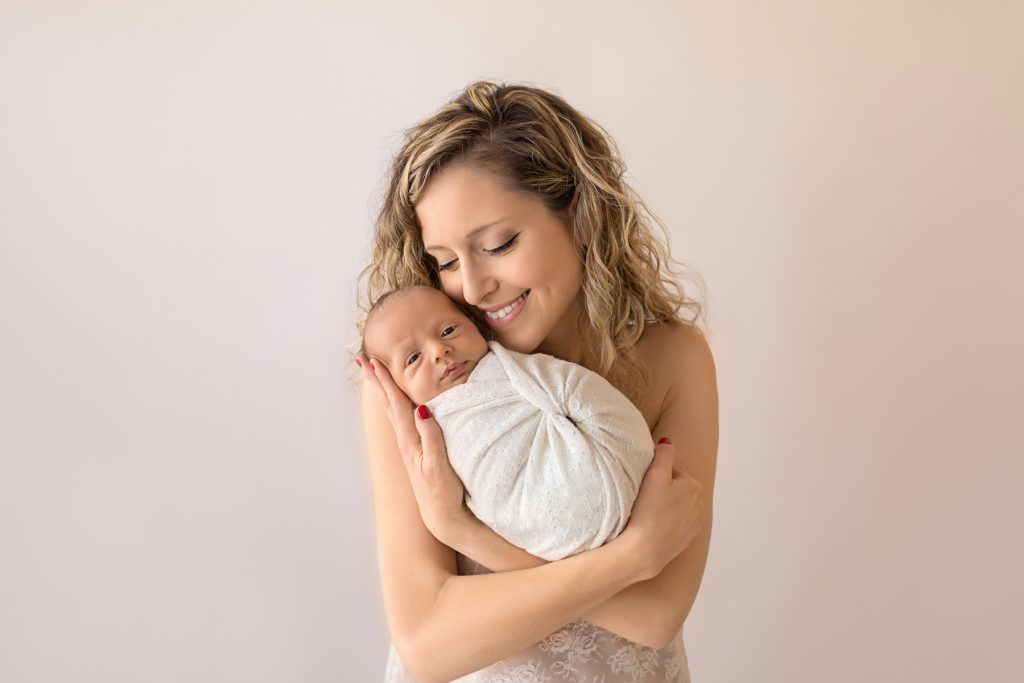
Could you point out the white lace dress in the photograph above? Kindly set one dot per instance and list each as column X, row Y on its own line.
column 579, row 652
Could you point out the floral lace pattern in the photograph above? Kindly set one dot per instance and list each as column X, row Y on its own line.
column 579, row 652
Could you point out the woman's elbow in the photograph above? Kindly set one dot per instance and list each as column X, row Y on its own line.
column 420, row 665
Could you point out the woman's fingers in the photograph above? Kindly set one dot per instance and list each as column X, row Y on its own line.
column 399, row 410
column 667, row 450
column 398, row 414
column 369, row 375
column 430, row 435
column 442, row 496
column 664, row 459
column 390, row 388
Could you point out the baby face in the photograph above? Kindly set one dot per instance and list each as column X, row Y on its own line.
column 426, row 342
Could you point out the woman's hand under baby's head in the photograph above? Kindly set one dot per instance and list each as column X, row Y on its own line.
column 427, row 344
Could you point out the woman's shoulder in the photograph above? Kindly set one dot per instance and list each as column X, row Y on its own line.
column 664, row 344
column 675, row 355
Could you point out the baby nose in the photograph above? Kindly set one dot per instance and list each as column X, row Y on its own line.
column 441, row 350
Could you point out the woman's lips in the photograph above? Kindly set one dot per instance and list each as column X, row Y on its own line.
column 509, row 314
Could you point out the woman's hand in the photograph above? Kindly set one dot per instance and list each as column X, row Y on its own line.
column 667, row 513
column 439, row 491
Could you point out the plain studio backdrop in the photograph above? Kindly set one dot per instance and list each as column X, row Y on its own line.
column 186, row 197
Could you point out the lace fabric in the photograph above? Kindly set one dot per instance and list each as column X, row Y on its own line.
column 579, row 652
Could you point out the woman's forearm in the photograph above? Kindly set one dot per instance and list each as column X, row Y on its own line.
column 628, row 613
column 476, row 540
column 477, row 620
column 652, row 612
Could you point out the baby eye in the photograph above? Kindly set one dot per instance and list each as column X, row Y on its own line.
column 450, row 330
column 412, row 358
column 504, row 247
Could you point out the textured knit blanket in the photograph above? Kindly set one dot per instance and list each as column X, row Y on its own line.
column 550, row 454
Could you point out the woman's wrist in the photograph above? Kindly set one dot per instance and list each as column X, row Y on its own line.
column 450, row 529
column 631, row 549
column 472, row 538
column 477, row 541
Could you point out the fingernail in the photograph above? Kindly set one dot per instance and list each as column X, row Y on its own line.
column 359, row 362
column 423, row 411
column 664, row 439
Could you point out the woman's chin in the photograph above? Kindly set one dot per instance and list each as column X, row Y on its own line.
column 516, row 340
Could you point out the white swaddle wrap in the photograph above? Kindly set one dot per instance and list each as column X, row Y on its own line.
column 551, row 454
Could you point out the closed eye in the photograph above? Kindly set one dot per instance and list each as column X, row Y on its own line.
column 500, row 249
column 504, row 247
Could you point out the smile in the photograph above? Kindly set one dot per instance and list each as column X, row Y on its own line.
column 505, row 314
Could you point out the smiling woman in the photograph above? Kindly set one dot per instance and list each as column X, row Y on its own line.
column 512, row 203
column 532, row 277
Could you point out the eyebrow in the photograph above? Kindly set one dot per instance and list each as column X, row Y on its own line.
column 472, row 233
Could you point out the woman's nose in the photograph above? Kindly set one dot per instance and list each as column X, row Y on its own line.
column 477, row 283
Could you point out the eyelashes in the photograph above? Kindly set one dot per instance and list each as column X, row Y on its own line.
column 504, row 247
column 497, row 251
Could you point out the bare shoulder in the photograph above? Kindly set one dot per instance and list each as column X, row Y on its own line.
column 673, row 343
column 681, row 364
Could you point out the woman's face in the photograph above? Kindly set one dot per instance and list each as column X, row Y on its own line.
column 506, row 254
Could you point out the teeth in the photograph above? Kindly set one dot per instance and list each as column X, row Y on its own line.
column 499, row 314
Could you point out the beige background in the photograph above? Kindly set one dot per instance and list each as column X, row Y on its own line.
column 186, row 192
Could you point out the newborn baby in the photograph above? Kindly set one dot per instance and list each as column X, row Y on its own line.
column 550, row 454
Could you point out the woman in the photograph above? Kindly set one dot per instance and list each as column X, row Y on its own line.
column 513, row 204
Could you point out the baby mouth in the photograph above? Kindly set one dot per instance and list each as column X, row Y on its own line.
column 501, row 313
column 453, row 369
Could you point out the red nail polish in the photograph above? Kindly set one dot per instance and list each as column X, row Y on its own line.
column 664, row 439
column 423, row 412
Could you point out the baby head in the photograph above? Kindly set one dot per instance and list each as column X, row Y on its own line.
column 427, row 344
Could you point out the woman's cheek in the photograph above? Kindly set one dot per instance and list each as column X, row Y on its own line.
column 452, row 287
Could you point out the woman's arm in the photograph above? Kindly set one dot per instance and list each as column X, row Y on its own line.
column 476, row 540
column 689, row 417
column 430, row 607
column 648, row 612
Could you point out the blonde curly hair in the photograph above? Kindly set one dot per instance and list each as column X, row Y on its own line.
column 539, row 144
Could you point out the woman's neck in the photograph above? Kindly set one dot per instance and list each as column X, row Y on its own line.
column 566, row 339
